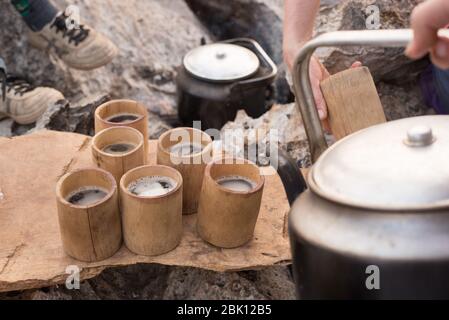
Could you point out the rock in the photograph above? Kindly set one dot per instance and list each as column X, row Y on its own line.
column 6, row 127
column 257, row 19
column 78, row 118
column 287, row 131
column 260, row 20
column 399, row 101
column 63, row 117
column 156, row 126
column 386, row 64
column 270, row 283
column 152, row 40
column 162, row 282
column 402, row 101
column 21, row 129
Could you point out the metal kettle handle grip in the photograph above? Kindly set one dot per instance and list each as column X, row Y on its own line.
column 301, row 80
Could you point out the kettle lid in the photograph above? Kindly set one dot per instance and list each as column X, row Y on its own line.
column 221, row 62
column 399, row 165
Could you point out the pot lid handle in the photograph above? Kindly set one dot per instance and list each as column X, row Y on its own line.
column 301, row 81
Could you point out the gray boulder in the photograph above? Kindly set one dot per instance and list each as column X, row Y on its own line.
column 152, row 37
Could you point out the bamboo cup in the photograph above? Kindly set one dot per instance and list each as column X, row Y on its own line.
column 118, row 163
column 90, row 232
column 151, row 225
column 227, row 218
column 191, row 167
column 117, row 107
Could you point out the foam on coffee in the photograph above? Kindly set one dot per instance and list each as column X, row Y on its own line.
column 86, row 196
column 186, row 149
column 119, row 148
column 123, row 117
column 152, row 186
column 236, row 183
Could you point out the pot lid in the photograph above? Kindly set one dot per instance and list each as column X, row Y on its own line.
column 399, row 165
column 221, row 62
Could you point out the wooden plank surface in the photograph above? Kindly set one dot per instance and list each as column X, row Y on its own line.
column 353, row 102
column 31, row 254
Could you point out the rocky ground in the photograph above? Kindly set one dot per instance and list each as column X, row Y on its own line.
column 152, row 37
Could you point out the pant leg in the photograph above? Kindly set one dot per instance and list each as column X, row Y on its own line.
column 3, row 73
column 2, row 66
column 441, row 80
column 35, row 13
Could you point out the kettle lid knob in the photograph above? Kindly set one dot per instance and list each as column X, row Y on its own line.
column 419, row 136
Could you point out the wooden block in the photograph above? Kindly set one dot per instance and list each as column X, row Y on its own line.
column 353, row 102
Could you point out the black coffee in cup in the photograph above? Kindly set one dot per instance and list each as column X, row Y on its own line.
column 123, row 117
column 119, row 148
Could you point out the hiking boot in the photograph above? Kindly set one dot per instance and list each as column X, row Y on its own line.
column 80, row 48
column 23, row 102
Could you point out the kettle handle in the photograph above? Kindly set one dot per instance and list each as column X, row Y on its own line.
column 301, row 81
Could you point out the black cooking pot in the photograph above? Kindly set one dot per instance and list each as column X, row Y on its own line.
column 217, row 80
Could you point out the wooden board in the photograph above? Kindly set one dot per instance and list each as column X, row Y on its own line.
column 352, row 101
column 31, row 254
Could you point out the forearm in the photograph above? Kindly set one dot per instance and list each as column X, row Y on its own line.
column 299, row 20
column 432, row 14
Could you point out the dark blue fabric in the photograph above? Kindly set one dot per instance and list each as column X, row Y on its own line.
column 36, row 13
column 2, row 64
column 441, row 81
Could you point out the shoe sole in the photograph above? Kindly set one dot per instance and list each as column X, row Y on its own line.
column 20, row 120
column 28, row 118
column 85, row 67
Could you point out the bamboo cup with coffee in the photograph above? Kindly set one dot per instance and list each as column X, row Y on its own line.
column 230, row 202
column 118, row 150
column 151, row 206
column 188, row 150
column 123, row 113
column 88, row 212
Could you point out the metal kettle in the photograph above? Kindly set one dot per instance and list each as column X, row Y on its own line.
column 374, row 223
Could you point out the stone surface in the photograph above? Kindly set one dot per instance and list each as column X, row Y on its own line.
column 260, row 20
column 77, row 118
column 287, row 129
column 257, row 19
column 385, row 64
column 152, row 40
column 64, row 117
column 6, row 127
column 162, row 282
column 402, row 101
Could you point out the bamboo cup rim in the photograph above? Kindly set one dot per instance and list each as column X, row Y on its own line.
column 236, row 162
column 109, row 177
column 174, row 172
column 119, row 128
column 207, row 147
column 143, row 112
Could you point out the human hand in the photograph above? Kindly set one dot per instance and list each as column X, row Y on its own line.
column 427, row 18
column 317, row 73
